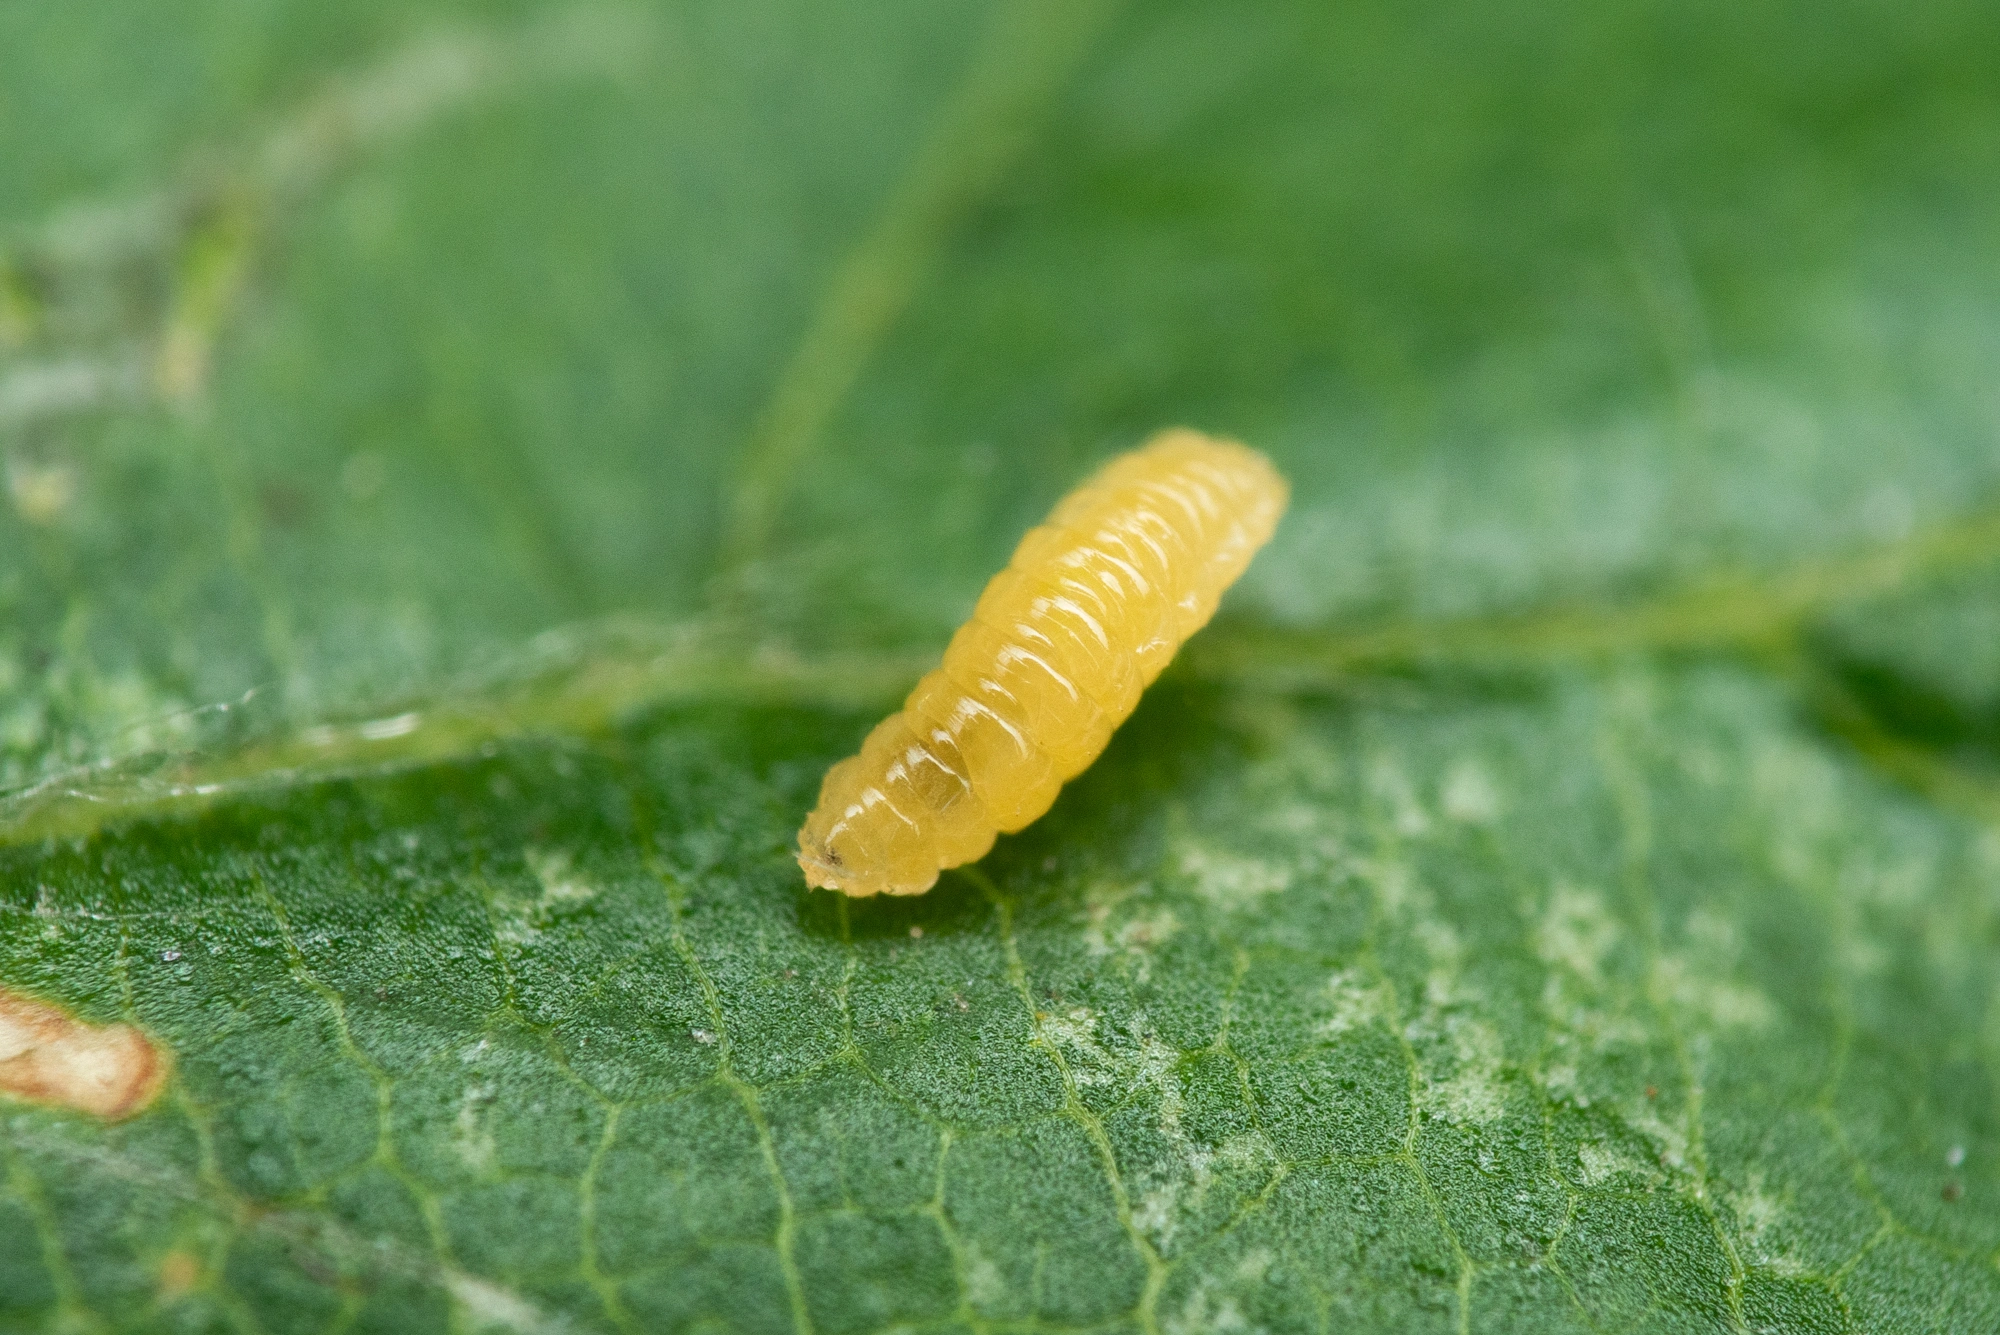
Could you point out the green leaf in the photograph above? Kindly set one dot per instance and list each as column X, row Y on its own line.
column 471, row 469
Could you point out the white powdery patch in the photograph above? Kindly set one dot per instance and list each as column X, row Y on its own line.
column 1154, row 1215
column 1600, row 1163
column 1757, row 1214
column 1465, row 1082
column 1475, row 1092
column 1672, row 1141
column 1074, row 1031
column 1132, row 940
column 1469, row 795
column 470, row 1140
column 1711, row 1001
column 51, row 389
column 1207, row 1310
column 1443, row 987
column 1182, row 1186
column 1140, row 1059
column 1229, row 880
column 1562, row 1084
column 1204, row 1312
column 1576, row 934
column 985, row 1286
column 488, row 1306
column 1714, row 934
column 1574, row 938
column 520, row 919
column 1135, row 1059
column 1256, row 1264
column 1357, row 1002
column 559, row 886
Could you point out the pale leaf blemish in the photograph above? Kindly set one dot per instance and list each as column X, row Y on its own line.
column 1576, row 934
column 985, row 1286
column 1443, row 985
column 47, row 913
column 1132, row 940
column 1394, row 790
column 1888, row 512
column 491, row 1307
column 1718, row 1002
column 1143, row 933
column 1441, row 943
column 1600, row 1163
column 1671, row 1141
column 387, row 729
column 50, row 1057
column 1757, row 1212
column 559, row 885
column 470, row 1139
column 519, row 919
column 1184, row 1179
column 1230, row 881
column 1138, row 1058
column 1475, row 1092
column 1799, row 790
column 1154, row 1215
column 1469, row 795
column 1357, row 1001
column 1714, row 933
column 33, row 393
column 1203, row 1313
column 1563, row 1084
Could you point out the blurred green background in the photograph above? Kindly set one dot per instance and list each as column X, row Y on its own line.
column 348, row 347
column 384, row 386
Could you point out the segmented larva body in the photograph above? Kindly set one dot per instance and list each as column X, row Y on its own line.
column 1091, row 608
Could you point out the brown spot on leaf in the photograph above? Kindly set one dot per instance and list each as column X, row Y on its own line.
column 1952, row 1191
column 49, row 1056
column 178, row 1272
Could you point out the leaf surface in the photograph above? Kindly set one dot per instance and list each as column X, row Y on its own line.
column 471, row 470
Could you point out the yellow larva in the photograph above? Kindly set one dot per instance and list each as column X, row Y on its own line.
column 1093, row 605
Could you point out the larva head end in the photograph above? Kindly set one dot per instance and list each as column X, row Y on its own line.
column 822, row 873
column 824, row 868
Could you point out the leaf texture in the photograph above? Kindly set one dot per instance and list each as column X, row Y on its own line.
column 470, row 470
